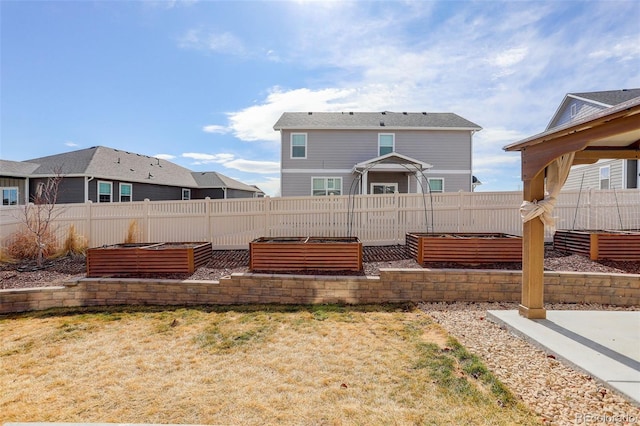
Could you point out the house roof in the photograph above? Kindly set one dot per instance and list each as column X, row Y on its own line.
column 218, row 180
column 611, row 133
column 109, row 163
column 603, row 99
column 609, row 97
column 17, row 168
column 374, row 120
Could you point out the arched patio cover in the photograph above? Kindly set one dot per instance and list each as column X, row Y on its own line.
column 613, row 133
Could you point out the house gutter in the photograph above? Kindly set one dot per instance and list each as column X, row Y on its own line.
column 87, row 179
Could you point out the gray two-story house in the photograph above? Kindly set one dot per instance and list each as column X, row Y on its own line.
column 604, row 174
column 343, row 153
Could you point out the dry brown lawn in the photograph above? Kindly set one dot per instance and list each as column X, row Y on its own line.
column 245, row 365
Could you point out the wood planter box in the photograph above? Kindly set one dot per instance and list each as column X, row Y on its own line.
column 464, row 248
column 600, row 245
column 147, row 258
column 305, row 254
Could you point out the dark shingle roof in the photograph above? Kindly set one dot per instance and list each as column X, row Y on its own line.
column 218, row 180
column 610, row 97
column 373, row 120
column 17, row 168
column 110, row 163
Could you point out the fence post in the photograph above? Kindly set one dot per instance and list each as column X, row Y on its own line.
column 396, row 205
column 207, row 218
column 267, row 216
column 87, row 222
column 146, row 222
column 460, row 212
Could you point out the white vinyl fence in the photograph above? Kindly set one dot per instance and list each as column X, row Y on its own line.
column 374, row 219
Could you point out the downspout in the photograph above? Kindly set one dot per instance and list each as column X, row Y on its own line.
column 86, row 187
column 26, row 190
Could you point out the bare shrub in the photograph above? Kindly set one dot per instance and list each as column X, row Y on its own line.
column 4, row 256
column 37, row 217
column 24, row 246
column 132, row 233
column 74, row 243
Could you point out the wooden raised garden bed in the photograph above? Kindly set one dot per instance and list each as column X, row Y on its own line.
column 600, row 245
column 305, row 254
column 147, row 258
column 464, row 248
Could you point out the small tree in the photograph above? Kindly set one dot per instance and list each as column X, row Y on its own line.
column 38, row 215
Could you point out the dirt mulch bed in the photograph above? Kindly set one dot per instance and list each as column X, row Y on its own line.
column 226, row 262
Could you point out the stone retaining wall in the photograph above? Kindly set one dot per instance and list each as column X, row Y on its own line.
column 393, row 285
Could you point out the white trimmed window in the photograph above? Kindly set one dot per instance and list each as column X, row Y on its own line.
column 126, row 192
column 104, row 191
column 9, row 196
column 384, row 188
column 605, row 177
column 299, row 145
column 326, row 186
column 574, row 110
column 436, row 184
column 186, row 194
column 386, row 143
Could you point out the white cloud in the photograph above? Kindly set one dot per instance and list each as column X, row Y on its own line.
column 252, row 166
column 225, row 42
column 71, row 144
column 214, row 128
column 202, row 158
column 165, row 156
column 626, row 49
column 255, row 123
column 510, row 57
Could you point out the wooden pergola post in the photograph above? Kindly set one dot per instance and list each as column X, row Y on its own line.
column 532, row 300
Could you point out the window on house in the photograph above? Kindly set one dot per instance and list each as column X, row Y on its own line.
column 186, row 194
column 104, row 192
column 436, row 184
column 386, row 143
column 384, row 188
column 605, row 177
column 298, row 145
column 125, row 192
column 10, row 196
column 326, row 186
column 574, row 110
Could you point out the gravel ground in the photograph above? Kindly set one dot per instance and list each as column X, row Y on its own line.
column 226, row 262
column 558, row 393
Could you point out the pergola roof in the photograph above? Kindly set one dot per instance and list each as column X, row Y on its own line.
column 611, row 133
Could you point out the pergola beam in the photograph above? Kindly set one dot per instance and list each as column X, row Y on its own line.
column 536, row 157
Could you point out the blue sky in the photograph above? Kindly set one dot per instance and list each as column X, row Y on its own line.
column 201, row 83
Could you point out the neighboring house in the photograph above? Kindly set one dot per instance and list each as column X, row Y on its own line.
column 605, row 174
column 329, row 153
column 100, row 174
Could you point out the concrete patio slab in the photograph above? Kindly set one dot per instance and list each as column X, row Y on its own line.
column 602, row 344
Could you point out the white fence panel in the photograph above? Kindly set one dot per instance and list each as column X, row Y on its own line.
column 374, row 219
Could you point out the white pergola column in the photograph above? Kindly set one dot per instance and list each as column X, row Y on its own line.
column 365, row 184
column 418, row 186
